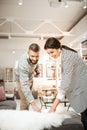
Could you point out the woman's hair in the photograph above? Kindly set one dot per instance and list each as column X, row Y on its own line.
column 53, row 43
column 34, row 47
column 68, row 48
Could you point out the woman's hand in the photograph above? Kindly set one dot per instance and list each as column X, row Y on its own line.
column 54, row 105
column 52, row 110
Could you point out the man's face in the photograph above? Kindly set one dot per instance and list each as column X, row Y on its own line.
column 33, row 56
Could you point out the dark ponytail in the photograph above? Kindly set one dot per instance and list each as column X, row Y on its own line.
column 68, row 48
column 55, row 44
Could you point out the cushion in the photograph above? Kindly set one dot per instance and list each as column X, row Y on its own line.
column 2, row 94
column 8, row 104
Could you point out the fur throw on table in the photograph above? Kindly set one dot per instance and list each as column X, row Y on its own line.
column 30, row 120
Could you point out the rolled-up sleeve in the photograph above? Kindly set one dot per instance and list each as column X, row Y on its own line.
column 61, row 95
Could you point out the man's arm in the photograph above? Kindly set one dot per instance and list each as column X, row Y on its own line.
column 24, row 81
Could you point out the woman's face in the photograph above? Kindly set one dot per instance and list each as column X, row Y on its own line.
column 54, row 53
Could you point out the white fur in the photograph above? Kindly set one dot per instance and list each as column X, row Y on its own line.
column 29, row 120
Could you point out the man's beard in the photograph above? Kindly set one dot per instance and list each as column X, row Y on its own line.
column 33, row 62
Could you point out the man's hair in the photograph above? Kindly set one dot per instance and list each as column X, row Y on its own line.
column 34, row 47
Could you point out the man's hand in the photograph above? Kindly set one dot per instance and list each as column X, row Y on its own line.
column 35, row 107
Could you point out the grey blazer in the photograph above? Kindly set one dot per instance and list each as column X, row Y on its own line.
column 74, row 80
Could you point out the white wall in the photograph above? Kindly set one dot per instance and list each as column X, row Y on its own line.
column 20, row 46
column 7, row 58
column 78, row 33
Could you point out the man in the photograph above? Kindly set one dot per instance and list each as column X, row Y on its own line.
column 24, row 77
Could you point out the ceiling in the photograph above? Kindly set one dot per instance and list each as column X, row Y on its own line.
column 40, row 18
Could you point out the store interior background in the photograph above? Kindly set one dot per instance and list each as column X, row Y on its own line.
column 35, row 21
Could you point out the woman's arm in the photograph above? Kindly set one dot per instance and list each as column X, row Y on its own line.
column 54, row 105
column 67, row 73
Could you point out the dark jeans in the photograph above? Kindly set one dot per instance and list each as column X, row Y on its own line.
column 84, row 119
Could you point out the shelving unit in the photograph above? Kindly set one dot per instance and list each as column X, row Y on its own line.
column 8, row 74
column 7, row 80
column 46, row 85
column 47, row 76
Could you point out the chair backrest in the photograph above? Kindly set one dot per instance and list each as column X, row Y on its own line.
column 1, row 82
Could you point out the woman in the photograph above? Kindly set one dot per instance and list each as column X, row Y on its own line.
column 74, row 77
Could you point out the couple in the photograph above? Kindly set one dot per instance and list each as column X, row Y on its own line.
column 73, row 83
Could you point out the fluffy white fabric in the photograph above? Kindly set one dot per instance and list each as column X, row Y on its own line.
column 29, row 120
